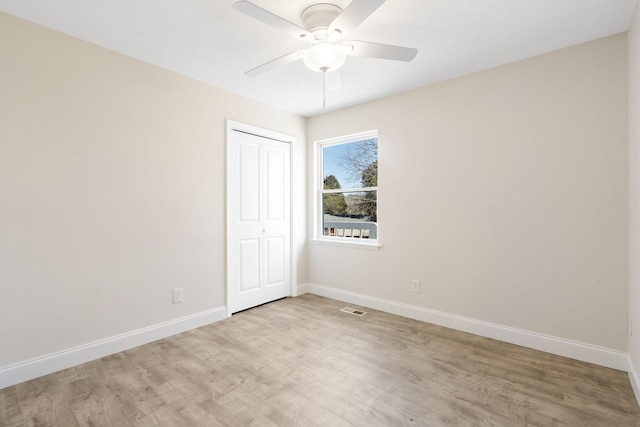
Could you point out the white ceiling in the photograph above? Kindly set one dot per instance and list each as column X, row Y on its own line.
column 210, row 41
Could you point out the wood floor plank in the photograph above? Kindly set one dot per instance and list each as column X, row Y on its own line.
column 301, row 361
column 10, row 411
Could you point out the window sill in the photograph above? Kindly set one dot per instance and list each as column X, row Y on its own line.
column 348, row 243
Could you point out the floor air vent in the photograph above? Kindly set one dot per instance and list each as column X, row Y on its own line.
column 353, row 311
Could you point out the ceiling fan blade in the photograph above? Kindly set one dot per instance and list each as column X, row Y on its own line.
column 354, row 15
column 381, row 51
column 332, row 80
column 283, row 60
column 270, row 19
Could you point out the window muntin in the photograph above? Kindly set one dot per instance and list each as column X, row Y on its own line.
column 348, row 188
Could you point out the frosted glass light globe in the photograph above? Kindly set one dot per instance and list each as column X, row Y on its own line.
column 324, row 56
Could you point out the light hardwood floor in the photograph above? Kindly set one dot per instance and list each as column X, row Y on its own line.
column 300, row 361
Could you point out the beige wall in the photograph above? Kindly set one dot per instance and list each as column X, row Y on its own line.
column 504, row 192
column 112, row 191
column 634, row 194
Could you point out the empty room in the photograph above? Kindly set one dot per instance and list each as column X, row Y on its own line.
column 351, row 213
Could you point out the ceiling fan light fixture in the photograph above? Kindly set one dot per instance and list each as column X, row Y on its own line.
column 324, row 56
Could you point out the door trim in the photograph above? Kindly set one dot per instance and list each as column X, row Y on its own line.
column 232, row 126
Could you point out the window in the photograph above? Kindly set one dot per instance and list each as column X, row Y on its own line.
column 348, row 189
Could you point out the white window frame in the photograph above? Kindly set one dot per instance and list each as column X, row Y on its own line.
column 319, row 237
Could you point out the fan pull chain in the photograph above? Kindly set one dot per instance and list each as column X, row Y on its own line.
column 324, row 86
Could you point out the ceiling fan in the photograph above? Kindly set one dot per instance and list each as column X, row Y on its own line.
column 325, row 27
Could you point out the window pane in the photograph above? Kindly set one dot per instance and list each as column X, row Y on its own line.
column 351, row 165
column 350, row 214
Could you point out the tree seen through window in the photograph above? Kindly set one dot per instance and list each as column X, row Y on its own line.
column 349, row 188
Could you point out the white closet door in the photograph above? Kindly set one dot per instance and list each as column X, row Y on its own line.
column 259, row 223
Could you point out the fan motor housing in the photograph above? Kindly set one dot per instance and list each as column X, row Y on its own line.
column 319, row 16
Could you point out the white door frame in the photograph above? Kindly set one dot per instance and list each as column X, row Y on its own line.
column 265, row 133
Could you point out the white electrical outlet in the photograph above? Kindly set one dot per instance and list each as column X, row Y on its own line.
column 178, row 294
column 415, row 286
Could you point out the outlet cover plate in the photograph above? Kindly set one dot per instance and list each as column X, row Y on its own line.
column 178, row 294
column 415, row 286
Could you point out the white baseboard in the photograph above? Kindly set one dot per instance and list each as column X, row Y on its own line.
column 635, row 380
column 576, row 350
column 24, row 371
column 304, row 288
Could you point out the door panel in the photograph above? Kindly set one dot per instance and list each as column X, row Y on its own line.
column 249, row 183
column 259, row 220
column 249, row 267
column 275, row 186
column 275, row 261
